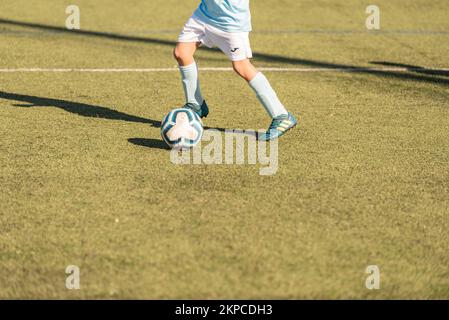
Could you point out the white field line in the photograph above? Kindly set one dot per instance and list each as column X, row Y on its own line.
column 212, row 69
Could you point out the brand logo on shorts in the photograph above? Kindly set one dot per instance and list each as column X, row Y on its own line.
column 234, row 50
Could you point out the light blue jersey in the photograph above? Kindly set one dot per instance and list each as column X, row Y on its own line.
column 226, row 15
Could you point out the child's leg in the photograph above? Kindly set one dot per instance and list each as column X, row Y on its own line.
column 184, row 53
column 257, row 81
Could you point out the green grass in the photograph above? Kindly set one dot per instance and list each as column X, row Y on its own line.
column 363, row 180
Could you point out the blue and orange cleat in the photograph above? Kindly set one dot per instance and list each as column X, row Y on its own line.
column 202, row 111
column 279, row 126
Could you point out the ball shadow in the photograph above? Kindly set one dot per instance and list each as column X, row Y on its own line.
column 149, row 143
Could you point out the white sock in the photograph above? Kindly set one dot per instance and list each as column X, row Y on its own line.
column 191, row 84
column 267, row 96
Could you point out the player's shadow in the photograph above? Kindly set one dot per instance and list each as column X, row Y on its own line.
column 93, row 111
column 81, row 109
column 408, row 76
column 85, row 110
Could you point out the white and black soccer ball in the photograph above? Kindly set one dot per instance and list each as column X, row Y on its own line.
column 182, row 129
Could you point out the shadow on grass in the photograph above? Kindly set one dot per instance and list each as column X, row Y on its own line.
column 94, row 111
column 160, row 144
column 81, row 109
column 427, row 77
column 412, row 68
column 149, row 143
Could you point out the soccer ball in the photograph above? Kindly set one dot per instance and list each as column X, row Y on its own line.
column 182, row 129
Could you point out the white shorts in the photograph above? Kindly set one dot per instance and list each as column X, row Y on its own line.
column 235, row 45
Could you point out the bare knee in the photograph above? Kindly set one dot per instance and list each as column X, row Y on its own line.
column 179, row 55
column 184, row 54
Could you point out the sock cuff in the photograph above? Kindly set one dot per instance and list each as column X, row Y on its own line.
column 189, row 67
column 256, row 82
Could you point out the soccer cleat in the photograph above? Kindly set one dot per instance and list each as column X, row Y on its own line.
column 279, row 126
column 202, row 111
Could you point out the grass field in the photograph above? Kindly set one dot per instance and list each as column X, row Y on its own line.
column 86, row 180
